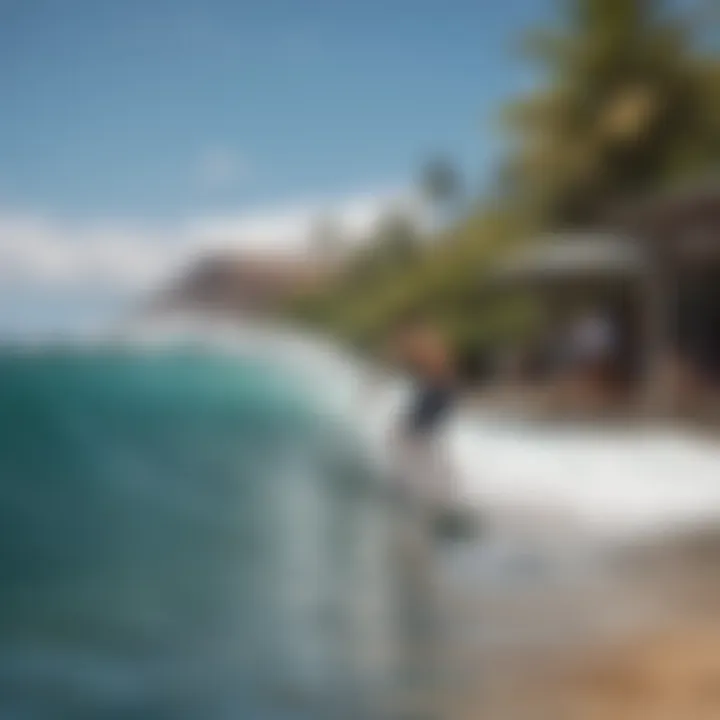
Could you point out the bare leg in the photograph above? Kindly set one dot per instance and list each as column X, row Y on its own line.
column 420, row 617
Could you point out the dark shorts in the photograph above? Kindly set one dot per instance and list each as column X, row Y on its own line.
column 431, row 406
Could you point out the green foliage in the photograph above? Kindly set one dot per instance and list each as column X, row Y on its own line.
column 629, row 106
column 444, row 279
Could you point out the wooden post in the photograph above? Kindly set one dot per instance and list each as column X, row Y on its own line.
column 660, row 371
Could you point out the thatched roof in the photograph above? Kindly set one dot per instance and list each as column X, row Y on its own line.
column 677, row 205
column 572, row 257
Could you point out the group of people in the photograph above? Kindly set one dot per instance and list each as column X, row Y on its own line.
column 585, row 352
column 581, row 359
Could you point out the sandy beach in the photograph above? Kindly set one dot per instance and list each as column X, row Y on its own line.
column 637, row 638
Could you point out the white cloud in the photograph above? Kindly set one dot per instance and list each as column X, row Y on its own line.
column 289, row 228
column 37, row 252
column 220, row 167
column 124, row 259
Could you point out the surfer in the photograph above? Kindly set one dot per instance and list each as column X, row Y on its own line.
column 422, row 351
column 424, row 481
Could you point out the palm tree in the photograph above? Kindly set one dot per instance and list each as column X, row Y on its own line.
column 397, row 239
column 629, row 107
column 440, row 185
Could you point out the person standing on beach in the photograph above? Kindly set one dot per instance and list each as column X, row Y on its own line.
column 422, row 351
column 425, row 492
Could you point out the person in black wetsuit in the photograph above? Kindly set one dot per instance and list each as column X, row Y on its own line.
column 421, row 349
column 429, row 360
column 431, row 405
column 425, row 486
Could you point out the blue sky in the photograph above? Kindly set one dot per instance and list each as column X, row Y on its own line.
column 109, row 107
column 119, row 114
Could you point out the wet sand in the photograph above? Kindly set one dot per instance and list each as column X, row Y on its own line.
column 636, row 637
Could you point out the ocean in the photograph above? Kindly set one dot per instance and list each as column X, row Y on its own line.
column 202, row 530
column 185, row 534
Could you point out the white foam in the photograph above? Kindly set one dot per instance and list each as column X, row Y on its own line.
column 611, row 482
column 641, row 479
column 614, row 483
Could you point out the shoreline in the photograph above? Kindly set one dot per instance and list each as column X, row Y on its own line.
column 646, row 639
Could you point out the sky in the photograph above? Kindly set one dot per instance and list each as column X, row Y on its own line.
column 137, row 133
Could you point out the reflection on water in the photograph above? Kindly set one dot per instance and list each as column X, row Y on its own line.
column 183, row 537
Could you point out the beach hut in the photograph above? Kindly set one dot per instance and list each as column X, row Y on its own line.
column 574, row 257
column 659, row 262
column 568, row 272
column 680, row 234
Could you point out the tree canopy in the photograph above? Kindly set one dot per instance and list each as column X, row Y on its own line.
column 629, row 104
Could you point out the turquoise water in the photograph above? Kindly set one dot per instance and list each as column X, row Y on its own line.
column 184, row 536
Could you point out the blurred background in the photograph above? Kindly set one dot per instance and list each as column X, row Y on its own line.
column 213, row 214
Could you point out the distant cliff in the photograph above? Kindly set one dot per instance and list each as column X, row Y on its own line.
column 231, row 283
